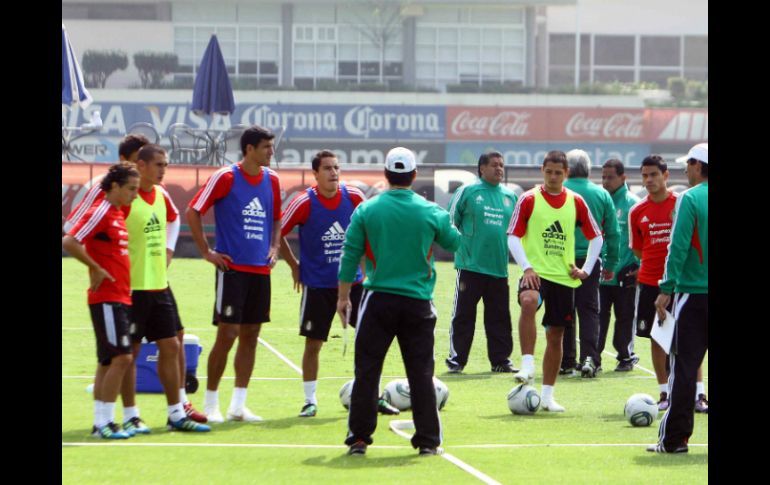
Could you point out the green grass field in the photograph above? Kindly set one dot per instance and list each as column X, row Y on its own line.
column 590, row 443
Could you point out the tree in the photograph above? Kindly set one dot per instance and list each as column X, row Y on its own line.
column 99, row 65
column 154, row 66
column 379, row 22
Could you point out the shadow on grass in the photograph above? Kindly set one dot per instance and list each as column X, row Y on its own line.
column 693, row 458
column 616, row 417
column 295, row 421
column 510, row 417
column 370, row 460
column 466, row 375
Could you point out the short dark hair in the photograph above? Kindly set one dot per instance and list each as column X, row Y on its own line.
column 655, row 161
column 253, row 135
column 316, row 162
column 704, row 167
column 131, row 143
column 149, row 151
column 120, row 173
column 484, row 158
column 556, row 156
column 402, row 179
column 616, row 164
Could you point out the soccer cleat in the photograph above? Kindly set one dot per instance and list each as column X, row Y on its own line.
column 187, row 424
column 430, row 451
column 357, row 448
column 308, row 410
column 454, row 368
column 659, row 448
column 625, row 366
column 702, row 404
column 552, row 406
column 213, row 415
column 663, row 402
column 384, row 407
column 525, row 375
column 506, row 367
column 194, row 414
column 135, row 425
column 111, row 431
column 589, row 369
column 567, row 371
column 244, row 415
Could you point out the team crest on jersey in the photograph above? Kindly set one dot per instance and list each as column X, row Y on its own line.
column 479, row 199
column 228, row 311
column 507, row 202
column 619, row 213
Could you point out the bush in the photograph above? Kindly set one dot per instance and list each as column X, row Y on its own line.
column 99, row 65
column 154, row 66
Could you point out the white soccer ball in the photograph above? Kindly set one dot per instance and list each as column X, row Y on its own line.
column 398, row 395
column 523, row 399
column 442, row 393
column 345, row 392
column 641, row 409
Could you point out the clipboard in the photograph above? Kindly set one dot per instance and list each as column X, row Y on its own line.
column 663, row 333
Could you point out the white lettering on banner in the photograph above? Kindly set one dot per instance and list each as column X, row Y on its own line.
column 306, row 121
column 525, row 157
column 370, row 157
column 363, row 121
column 619, row 125
column 505, row 123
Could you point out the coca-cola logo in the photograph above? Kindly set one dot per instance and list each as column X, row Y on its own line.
column 619, row 125
column 502, row 124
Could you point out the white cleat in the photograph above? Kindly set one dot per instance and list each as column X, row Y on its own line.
column 214, row 415
column 525, row 376
column 552, row 406
column 243, row 415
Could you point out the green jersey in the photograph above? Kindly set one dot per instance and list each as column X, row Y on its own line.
column 600, row 204
column 687, row 263
column 623, row 200
column 482, row 211
column 396, row 230
column 146, row 226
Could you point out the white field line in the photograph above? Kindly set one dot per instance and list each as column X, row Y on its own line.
column 281, row 356
column 343, row 447
column 338, row 378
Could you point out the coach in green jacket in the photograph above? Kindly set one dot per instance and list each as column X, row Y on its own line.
column 587, row 295
column 395, row 231
column 482, row 211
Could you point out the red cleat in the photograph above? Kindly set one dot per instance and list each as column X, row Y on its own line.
column 193, row 414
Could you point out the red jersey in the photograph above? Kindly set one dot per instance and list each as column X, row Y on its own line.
column 298, row 210
column 523, row 211
column 219, row 185
column 102, row 230
column 649, row 230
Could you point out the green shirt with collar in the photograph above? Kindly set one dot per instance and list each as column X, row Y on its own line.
column 623, row 199
column 600, row 204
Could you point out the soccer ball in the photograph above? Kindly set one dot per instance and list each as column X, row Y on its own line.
column 641, row 410
column 345, row 392
column 442, row 393
column 523, row 399
column 397, row 394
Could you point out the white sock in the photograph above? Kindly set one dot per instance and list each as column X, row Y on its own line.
column 98, row 421
column 239, row 399
column 528, row 361
column 108, row 412
column 699, row 389
column 130, row 412
column 176, row 412
column 211, row 400
column 547, row 394
column 183, row 395
column 663, row 388
column 310, row 391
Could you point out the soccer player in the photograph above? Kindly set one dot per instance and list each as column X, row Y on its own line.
column 246, row 197
column 541, row 240
column 650, row 223
column 395, row 230
column 619, row 291
column 602, row 209
column 100, row 241
column 686, row 277
column 482, row 211
column 322, row 213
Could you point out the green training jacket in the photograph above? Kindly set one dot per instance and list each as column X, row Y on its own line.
column 623, row 200
column 600, row 204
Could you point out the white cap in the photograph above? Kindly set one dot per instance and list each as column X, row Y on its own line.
column 400, row 160
column 698, row 152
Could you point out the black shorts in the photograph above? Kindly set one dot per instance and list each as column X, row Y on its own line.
column 153, row 315
column 559, row 303
column 644, row 314
column 242, row 297
column 178, row 319
column 318, row 307
column 111, row 322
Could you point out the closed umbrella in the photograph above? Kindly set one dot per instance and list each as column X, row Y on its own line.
column 213, row 92
column 73, row 90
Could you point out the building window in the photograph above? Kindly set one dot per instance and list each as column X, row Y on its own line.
column 561, row 59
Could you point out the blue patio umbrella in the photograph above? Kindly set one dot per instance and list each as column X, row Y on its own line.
column 213, row 92
column 73, row 90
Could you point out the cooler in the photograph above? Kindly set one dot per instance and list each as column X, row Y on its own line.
column 147, row 366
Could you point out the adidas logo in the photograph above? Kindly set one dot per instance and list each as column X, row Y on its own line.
column 645, row 219
column 254, row 208
column 152, row 225
column 479, row 199
column 555, row 231
column 334, row 233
